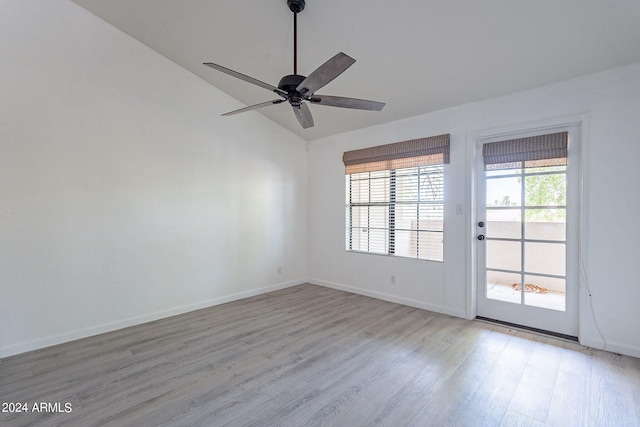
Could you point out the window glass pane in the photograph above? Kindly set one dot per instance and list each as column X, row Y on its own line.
column 545, row 224
column 359, row 239
column 359, row 191
column 431, row 181
column 500, row 286
column 378, row 241
column 504, row 192
column 407, row 187
column 503, row 223
column 347, row 190
column 376, row 174
column 503, row 255
column 546, row 190
column 407, row 216
column 430, row 245
column 358, row 176
column 431, row 217
column 545, row 292
column 359, row 216
column 545, row 258
column 406, row 243
column 406, row 171
column 378, row 216
column 378, row 190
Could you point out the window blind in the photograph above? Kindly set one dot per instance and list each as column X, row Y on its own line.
column 415, row 152
column 395, row 197
column 535, row 151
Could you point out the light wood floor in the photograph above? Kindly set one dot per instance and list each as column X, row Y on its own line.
column 309, row 355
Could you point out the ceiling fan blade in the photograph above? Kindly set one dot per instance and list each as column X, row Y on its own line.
column 303, row 114
column 339, row 101
column 325, row 73
column 254, row 107
column 246, row 78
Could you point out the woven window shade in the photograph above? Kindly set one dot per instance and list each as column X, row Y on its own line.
column 541, row 150
column 415, row 152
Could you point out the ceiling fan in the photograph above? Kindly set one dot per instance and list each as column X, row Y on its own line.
column 296, row 89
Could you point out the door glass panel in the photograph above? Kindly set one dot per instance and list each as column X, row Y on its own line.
column 500, row 286
column 546, row 190
column 546, row 258
column 545, row 292
column 503, row 255
column 504, row 192
column 504, row 223
column 545, row 224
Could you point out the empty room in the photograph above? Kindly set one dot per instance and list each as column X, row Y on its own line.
column 320, row 212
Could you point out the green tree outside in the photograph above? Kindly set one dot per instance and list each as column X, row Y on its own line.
column 546, row 190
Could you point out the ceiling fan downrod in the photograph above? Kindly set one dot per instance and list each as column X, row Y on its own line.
column 296, row 6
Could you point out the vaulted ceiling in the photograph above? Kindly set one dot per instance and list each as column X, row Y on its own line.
column 417, row 56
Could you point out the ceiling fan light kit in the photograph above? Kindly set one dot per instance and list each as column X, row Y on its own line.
column 296, row 89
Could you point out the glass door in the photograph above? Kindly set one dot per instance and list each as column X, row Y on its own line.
column 526, row 239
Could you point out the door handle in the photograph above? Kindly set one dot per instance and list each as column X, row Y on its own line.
column 480, row 236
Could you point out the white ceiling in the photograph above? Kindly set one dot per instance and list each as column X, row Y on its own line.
column 417, row 56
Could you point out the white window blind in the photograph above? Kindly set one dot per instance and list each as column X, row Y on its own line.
column 397, row 210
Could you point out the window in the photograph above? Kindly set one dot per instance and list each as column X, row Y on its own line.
column 395, row 197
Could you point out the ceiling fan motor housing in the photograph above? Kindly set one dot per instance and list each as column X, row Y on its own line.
column 289, row 84
column 296, row 6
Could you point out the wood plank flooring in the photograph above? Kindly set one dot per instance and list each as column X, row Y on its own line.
column 313, row 356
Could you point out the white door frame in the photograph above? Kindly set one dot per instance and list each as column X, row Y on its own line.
column 475, row 139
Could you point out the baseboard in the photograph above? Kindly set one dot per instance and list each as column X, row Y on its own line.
column 612, row 346
column 137, row 320
column 391, row 298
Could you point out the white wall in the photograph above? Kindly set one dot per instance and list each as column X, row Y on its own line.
column 611, row 247
column 124, row 196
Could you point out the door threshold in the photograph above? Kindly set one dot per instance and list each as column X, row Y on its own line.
column 528, row 329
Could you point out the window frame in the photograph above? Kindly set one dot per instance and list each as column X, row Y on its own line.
column 392, row 205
